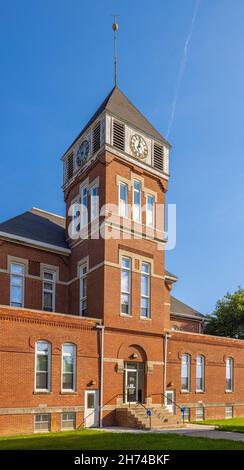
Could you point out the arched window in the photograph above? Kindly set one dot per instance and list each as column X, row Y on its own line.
column 229, row 374
column 42, row 366
column 68, row 367
column 185, row 372
column 200, row 366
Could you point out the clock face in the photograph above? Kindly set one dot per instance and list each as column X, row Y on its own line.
column 82, row 153
column 139, row 146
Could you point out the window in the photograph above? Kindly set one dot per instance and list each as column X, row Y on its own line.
column 69, row 167
column 75, row 218
column 17, row 279
column 150, row 210
column 229, row 374
column 136, row 201
column 123, row 200
column 96, row 138
column 118, row 135
column 187, row 415
column 84, row 206
column 94, row 202
column 200, row 373
column 43, row 353
column 42, row 422
column 229, row 411
column 68, row 421
column 185, row 373
column 126, row 286
column 49, row 279
column 158, row 157
column 68, row 367
column 83, row 290
column 200, row 414
column 145, row 290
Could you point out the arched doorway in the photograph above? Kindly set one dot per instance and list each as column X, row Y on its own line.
column 134, row 384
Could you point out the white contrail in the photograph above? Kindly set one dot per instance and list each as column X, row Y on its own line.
column 182, row 66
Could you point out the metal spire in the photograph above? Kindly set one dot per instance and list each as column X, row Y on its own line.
column 115, row 29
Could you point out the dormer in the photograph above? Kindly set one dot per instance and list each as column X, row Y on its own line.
column 117, row 126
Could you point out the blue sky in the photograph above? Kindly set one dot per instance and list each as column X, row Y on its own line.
column 56, row 68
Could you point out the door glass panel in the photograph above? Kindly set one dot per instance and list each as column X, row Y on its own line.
column 90, row 401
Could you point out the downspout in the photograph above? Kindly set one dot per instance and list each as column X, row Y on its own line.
column 166, row 337
column 101, row 327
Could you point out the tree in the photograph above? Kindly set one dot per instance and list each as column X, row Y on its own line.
column 228, row 316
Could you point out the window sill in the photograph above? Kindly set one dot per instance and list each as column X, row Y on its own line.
column 42, row 392
column 125, row 315
column 145, row 318
column 185, row 391
column 229, row 391
column 200, row 391
column 67, row 392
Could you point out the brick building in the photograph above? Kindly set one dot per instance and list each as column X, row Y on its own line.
column 89, row 330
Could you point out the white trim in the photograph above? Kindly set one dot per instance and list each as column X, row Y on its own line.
column 72, row 390
column 44, row 390
column 29, row 241
column 47, row 212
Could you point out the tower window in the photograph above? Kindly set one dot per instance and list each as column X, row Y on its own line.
column 69, row 167
column 137, row 201
column 150, row 207
column 123, row 199
column 96, row 136
column 145, row 290
column 158, row 157
column 126, row 286
column 118, row 135
column 83, row 289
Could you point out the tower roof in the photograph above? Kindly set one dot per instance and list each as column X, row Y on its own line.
column 117, row 104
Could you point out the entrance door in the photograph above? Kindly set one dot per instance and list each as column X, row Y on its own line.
column 91, row 408
column 170, row 398
column 134, row 380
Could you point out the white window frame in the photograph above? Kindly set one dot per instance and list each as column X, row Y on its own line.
column 22, row 277
column 201, row 367
column 84, row 207
column 44, row 290
column 69, row 390
column 83, row 279
column 134, row 205
column 146, row 274
column 188, row 364
column 123, row 206
column 227, row 410
column 75, row 215
column 42, row 421
column 68, row 428
column 229, row 367
column 41, row 390
column 148, row 223
column 94, row 202
column 128, row 271
column 202, row 415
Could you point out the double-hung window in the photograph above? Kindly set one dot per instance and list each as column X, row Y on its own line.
column 126, row 286
column 200, row 374
column 185, row 373
column 136, row 201
column 49, row 281
column 229, row 374
column 123, row 199
column 94, row 202
column 150, row 210
column 84, row 206
column 43, row 366
column 75, row 218
column 145, row 290
column 17, row 282
column 83, row 289
column 68, row 367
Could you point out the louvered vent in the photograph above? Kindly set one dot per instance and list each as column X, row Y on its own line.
column 69, row 167
column 118, row 135
column 96, row 138
column 158, row 157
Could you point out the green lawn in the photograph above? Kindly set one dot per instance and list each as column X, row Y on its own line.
column 100, row 440
column 233, row 424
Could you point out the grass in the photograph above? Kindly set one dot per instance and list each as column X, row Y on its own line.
column 100, row 440
column 233, row 424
